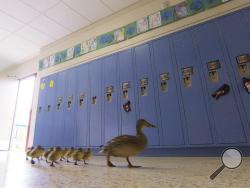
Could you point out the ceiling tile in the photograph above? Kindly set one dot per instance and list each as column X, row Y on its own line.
column 49, row 27
column 67, row 17
column 8, row 23
column 3, row 34
column 91, row 9
column 41, row 5
column 18, row 10
column 35, row 36
column 119, row 4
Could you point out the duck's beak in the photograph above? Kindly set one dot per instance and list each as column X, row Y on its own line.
column 152, row 126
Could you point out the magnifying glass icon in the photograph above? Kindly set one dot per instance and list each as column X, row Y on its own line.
column 231, row 158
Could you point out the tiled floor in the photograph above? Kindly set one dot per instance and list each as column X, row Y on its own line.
column 16, row 172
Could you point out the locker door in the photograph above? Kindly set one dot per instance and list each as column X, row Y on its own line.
column 58, row 130
column 235, row 32
column 145, row 89
column 197, row 120
column 40, row 113
column 228, row 124
column 110, row 90
column 127, row 92
column 96, row 94
column 70, row 108
column 50, row 110
column 167, row 92
column 83, row 100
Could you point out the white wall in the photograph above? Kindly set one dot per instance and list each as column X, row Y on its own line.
column 132, row 13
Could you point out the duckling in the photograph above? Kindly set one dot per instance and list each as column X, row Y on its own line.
column 29, row 150
column 54, row 156
column 78, row 155
column 70, row 153
column 127, row 145
column 86, row 155
column 46, row 154
column 64, row 153
column 36, row 153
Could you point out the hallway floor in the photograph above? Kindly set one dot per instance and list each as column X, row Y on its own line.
column 16, row 172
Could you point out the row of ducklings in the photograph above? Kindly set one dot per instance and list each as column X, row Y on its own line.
column 54, row 154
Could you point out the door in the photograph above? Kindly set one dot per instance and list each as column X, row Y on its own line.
column 195, row 107
column 166, row 90
column 110, row 90
column 145, row 90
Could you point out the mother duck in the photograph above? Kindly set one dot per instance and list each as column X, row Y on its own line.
column 127, row 145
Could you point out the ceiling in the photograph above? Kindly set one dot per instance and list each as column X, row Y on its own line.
column 28, row 25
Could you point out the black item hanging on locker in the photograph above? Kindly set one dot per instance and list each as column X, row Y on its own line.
column 223, row 90
column 127, row 107
column 246, row 84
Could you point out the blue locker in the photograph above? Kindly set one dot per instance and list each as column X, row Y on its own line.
column 127, row 92
column 145, row 90
column 195, row 107
column 50, row 111
column 167, row 93
column 83, row 100
column 227, row 120
column 70, row 108
column 97, row 95
column 110, row 90
column 58, row 128
column 40, row 113
column 235, row 32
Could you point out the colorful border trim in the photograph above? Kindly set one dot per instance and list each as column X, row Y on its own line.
column 158, row 19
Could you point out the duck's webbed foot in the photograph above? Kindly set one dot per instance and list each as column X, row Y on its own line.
column 85, row 162
column 109, row 162
column 52, row 164
column 75, row 163
column 130, row 165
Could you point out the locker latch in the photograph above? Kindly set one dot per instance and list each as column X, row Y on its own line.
column 144, row 86
column 94, row 99
column 59, row 103
column 213, row 67
column 49, row 108
column 39, row 109
column 81, row 99
column 125, row 87
column 69, row 102
column 109, row 91
column 164, row 82
column 187, row 76
column 242, row 61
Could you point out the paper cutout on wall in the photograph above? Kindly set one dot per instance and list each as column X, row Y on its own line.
column 92, row 44
column 77, row 50
column 167, row 15
column 70, row 53
column 131, row 30
column 84, row 47
column 154, row 20
column 46, row 62
column 42, row 85
column 51, row 60
column 195, row 6
column 181, row 10
column 105, row 40
column 119, row 35
column 51, row 83
column 142, row 25
column 211, row 3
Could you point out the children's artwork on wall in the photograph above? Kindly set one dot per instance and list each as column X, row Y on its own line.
column 142, row 25
column 84, row 47
column 223, row 90
column 130, row 30
column 46, row 62
column 155, row 20
column 92, row 44
column 105, row 40
column 246, row 84
column 195, row 6
column 77, row 50
column 181, row 10
column 211, row 3
column 70, row 53
column 63, row 55
column 167, row 15
column 40, row 64
column 51, row 60
column 119, row 34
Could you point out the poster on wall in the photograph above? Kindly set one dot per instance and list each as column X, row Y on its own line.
column 131, row 30
column 77, row 50
column 167, row 15
column 155, row 20
column 195, row 6
column 46, row 62
column 92, row 44
column 105, row 40
column 119, row 35
column 211, row 3
column 51, row 60
column 70, row 53
column 84, row 47
column 181, row 10
column 142, row 25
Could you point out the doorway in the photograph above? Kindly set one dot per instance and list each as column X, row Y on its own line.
column 22, row 113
